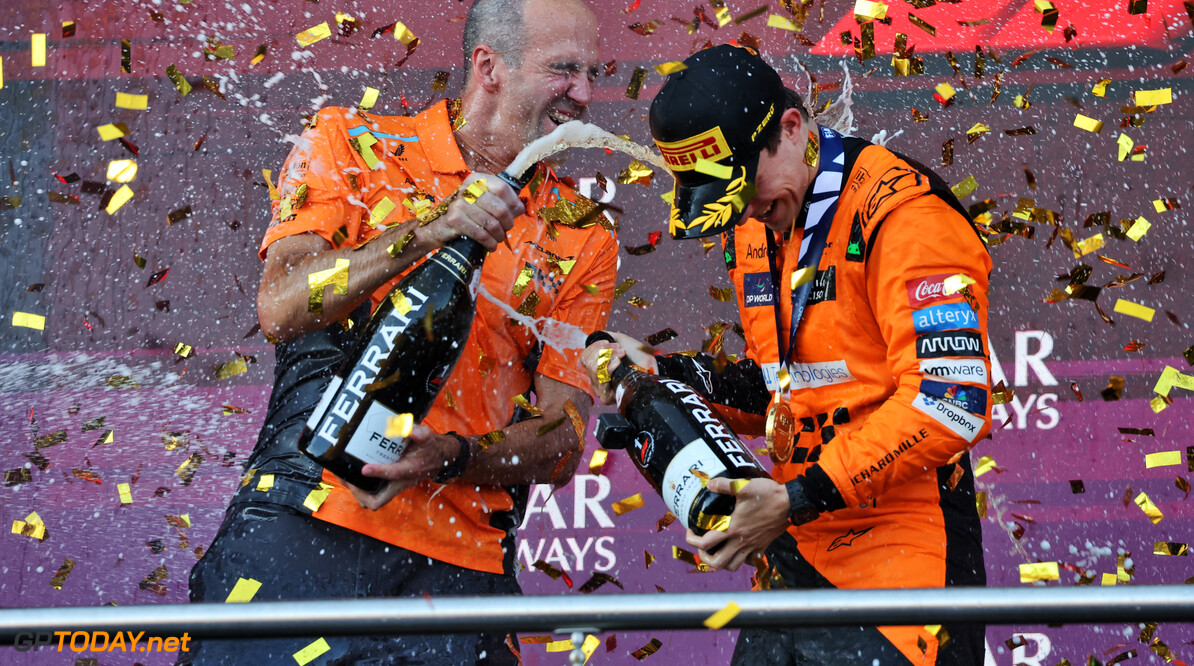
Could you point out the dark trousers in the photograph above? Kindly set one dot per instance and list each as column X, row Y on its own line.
column 295, row 556
column 838, row 646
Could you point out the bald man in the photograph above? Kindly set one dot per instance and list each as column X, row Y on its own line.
column 444, row 524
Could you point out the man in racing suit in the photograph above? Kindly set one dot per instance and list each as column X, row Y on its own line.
column 862, row 288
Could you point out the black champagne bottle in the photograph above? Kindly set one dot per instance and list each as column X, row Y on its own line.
column 675, row 437
column 399, row 364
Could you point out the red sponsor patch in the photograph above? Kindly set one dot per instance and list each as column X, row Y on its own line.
column 926, row 290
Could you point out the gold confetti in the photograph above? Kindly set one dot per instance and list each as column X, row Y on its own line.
column 1153, row 97
column 667, row 519
column 265, row 482
column 629, row 504
column 722, row 617
column 1170, row 548
column 1146, row 505
column 1085, row 247
column 316, row 497
column 709, row 168
column 262, row 49
column 1087, row 123
column 29, row 320
column 317, row 281
column 527, row 309
column 980, row 502
column 131, row 101
column 231, row 369
column 316, row 649
column 1163, row 459
column 636, row 82
column 1031, row 572
column 119, row 199
column 380, row 212
column 396, row 247
column 307, row 38
column 975, row 132
column 685, row 556
column 603, row 358
column 1170, row 378
column 711, row 522
column 37, row 44
column 1139, row 228
column 783, row 23
column 112, row 131
column 578, row 423
column 985, row 464
column 927, row 27
column 126, row 493
column 368, row 99
column 597, row 462
column 364, row 146
column 721, row 294
column 647, row 650
column 475, row 190
column 122, row 171
column 32, row 527
column 1108, row 579
column 670, row 67
column 63, row 571
column 179, row 81
column 638, row 302
column 243, row 591
column 965, row 188
column 404, row 34
column 1134, row 310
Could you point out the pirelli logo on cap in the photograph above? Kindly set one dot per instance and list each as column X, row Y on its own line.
column 683, row 155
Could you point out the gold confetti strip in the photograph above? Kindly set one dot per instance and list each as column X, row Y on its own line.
column 319, row 647
column 1170, row 378
column 670, row 67
column 578, row 423
column 112, row 131
column 404, row 34
column 1087, row 123
column 783, row 23
column 32, row 527
column 628, row 504
column 1085, row 247
column 131, row 101
column 975, row 132
column 965, row 188
column 490, row 438
column 527, row 309
column 1134, row 310
column 985, row 464
column 522, row 402
column 1170, row 548
column 865, row 10
column 262, row 49
column 318, row 496
column 711, row 522
column 396, row 248
column 29, row 320
column 122, row 171
column 638, row 302
column 647, row 650
column 560, row 646
column 1153, row 97
column 243, row 591
column 381, row 211
column 534, row 640
column 922, row 24
column 604, row 356
column 1163, row 459
column 364, row 147
column 667, row 519
column 1139, row 228
column 636, row 173
column 126, row 493
column 475, row 190
column 179, row 81
column 265, row 482
column 37, row 47
column 231, row 369
column 1146, row 505
column 636, row 82
column 1108, row 579
column 63, row 571
column 597, row 462
column 119, row 199
column 307, row 38
column 317, row 281
column 548, row 569
column 1031, row 572
column 722, row 617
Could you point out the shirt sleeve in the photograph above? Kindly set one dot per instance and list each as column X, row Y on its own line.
column 936, row 341
column 322, row 160
column 579, row 307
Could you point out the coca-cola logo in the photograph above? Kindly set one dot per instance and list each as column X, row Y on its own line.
column 926, row 290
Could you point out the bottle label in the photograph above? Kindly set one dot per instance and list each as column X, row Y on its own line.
column 680, row 485
column 324, row 402
column 456, row 263
column 369, row 442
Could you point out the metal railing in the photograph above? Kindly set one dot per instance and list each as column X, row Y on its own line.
column 616, row 612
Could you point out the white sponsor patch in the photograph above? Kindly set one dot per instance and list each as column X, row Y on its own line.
column 771, row 376
column 973, row 371
column 812, row 375
column 960, row 421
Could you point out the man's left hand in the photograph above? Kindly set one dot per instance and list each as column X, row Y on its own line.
column 760, row 516
column 425, row 456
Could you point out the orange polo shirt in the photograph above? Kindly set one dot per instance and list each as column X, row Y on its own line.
column 573, row 272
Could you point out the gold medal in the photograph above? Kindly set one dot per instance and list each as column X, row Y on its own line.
column 781, row 431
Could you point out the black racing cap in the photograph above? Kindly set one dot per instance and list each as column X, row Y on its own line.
column 710, row 121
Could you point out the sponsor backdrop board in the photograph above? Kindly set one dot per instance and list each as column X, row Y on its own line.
column 94, row 395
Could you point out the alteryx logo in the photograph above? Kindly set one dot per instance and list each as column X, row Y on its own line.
column 970, row 398
column 758, row 290
column 944, row 318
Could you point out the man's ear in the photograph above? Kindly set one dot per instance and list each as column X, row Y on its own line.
column 487, row 70
column 792, row 124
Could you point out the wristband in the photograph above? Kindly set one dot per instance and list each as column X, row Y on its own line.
column 456, row 469
column 800, row 509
